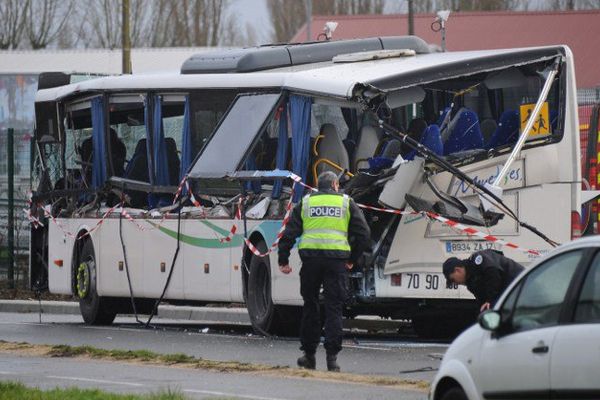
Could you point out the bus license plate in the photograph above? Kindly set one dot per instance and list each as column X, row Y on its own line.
column 467, row 246
column 423, row 281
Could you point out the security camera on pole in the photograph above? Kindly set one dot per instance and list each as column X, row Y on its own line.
column 440, row 25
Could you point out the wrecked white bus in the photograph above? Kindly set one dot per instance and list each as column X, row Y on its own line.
column 173, row 187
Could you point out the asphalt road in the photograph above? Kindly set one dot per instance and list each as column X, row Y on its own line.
column 390, row 355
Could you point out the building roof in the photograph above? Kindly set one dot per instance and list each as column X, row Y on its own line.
column 580, row 30
column 95, row 61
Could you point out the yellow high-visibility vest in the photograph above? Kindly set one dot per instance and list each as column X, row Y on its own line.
column 325, row 220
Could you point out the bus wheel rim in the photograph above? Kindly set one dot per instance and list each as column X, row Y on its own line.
column 83, row 280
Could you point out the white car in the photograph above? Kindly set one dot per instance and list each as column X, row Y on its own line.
column 541, row 340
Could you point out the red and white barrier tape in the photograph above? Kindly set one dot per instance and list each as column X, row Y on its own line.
column 194, row 201
column 49, row 215
column 32, row 219
column 238, row 216
column 142, row 228
column 453, row 224
column 470, row 231
column 286, row 219
column 182, row 184
column 474, row 232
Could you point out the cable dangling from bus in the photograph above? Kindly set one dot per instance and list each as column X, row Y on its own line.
column 132, row 298
column 162, row 295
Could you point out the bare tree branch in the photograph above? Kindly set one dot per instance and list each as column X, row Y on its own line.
column 13, row 15
column 45, row 21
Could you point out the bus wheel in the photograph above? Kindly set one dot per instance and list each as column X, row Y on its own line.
column 94, row 309
column 261, row 309
column 266, row 317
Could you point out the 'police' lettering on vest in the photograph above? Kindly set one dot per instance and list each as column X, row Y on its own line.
column 325, row 211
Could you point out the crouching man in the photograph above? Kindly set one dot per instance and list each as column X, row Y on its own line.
column 486, row 274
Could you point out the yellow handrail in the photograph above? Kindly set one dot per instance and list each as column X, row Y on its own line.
column 315, row 152
column 330, row 163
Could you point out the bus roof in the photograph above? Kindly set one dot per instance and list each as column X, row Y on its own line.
column 327, row 78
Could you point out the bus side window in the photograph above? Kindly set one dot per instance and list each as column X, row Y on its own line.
column 78, row 149
column 173, row 109
column 128, row 134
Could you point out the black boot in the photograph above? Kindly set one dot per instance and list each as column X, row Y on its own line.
column 332, row 364
column 307, row 361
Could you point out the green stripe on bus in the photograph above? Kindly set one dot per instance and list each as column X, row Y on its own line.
column 236, row 241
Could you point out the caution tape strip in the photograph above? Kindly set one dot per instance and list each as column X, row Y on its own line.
column 142, row 228
column 49, row 215
column 474, row 232
column 32, row 219
column 284, row 222
column 453, row 224
column 470, row 231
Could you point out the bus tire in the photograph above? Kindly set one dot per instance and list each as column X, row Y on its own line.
column 266, row 317
column 441, row 326
column 94, row 309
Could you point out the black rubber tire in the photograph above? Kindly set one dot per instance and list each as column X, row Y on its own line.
column 455, row 393
column 266, row 317
column 94, row 309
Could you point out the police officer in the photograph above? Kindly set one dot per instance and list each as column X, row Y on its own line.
column 334, row 235
column 486, row 274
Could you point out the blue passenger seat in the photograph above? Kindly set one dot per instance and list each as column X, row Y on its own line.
column 507, row 130
column 137, row 167
column 432, row 139
column 465, row 133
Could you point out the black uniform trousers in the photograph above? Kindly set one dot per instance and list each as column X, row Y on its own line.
column 332, row 274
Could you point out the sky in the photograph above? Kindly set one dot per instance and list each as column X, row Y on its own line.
column 255, row 14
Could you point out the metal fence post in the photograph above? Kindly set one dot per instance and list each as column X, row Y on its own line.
column 11, row 207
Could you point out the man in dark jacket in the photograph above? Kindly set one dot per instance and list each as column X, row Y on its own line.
column 334, row 235
column 486, row 274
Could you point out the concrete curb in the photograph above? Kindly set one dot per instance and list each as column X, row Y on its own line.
column 214, row 315
column 237, row 316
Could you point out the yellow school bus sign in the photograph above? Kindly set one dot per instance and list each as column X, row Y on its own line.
column 541, row 126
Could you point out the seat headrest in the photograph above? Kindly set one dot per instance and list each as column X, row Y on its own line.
column 328, row 130
column 140, row 146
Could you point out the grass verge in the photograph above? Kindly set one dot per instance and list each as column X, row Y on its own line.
column 185, row 361
column 18, row 391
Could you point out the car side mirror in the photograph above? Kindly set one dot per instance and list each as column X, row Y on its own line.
column 490, row 320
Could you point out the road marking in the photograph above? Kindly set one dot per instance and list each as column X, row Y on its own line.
column 355, row 346
column 73, row 378
column 7, row 373
column 395, row 345
column 242, row 396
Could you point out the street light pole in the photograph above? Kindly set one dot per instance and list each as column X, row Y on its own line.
column 308, row 20
column 11, row 207
column 411, row 18
column 125, row 39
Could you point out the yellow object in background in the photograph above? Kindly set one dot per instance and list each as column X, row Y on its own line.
column 541, row 126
